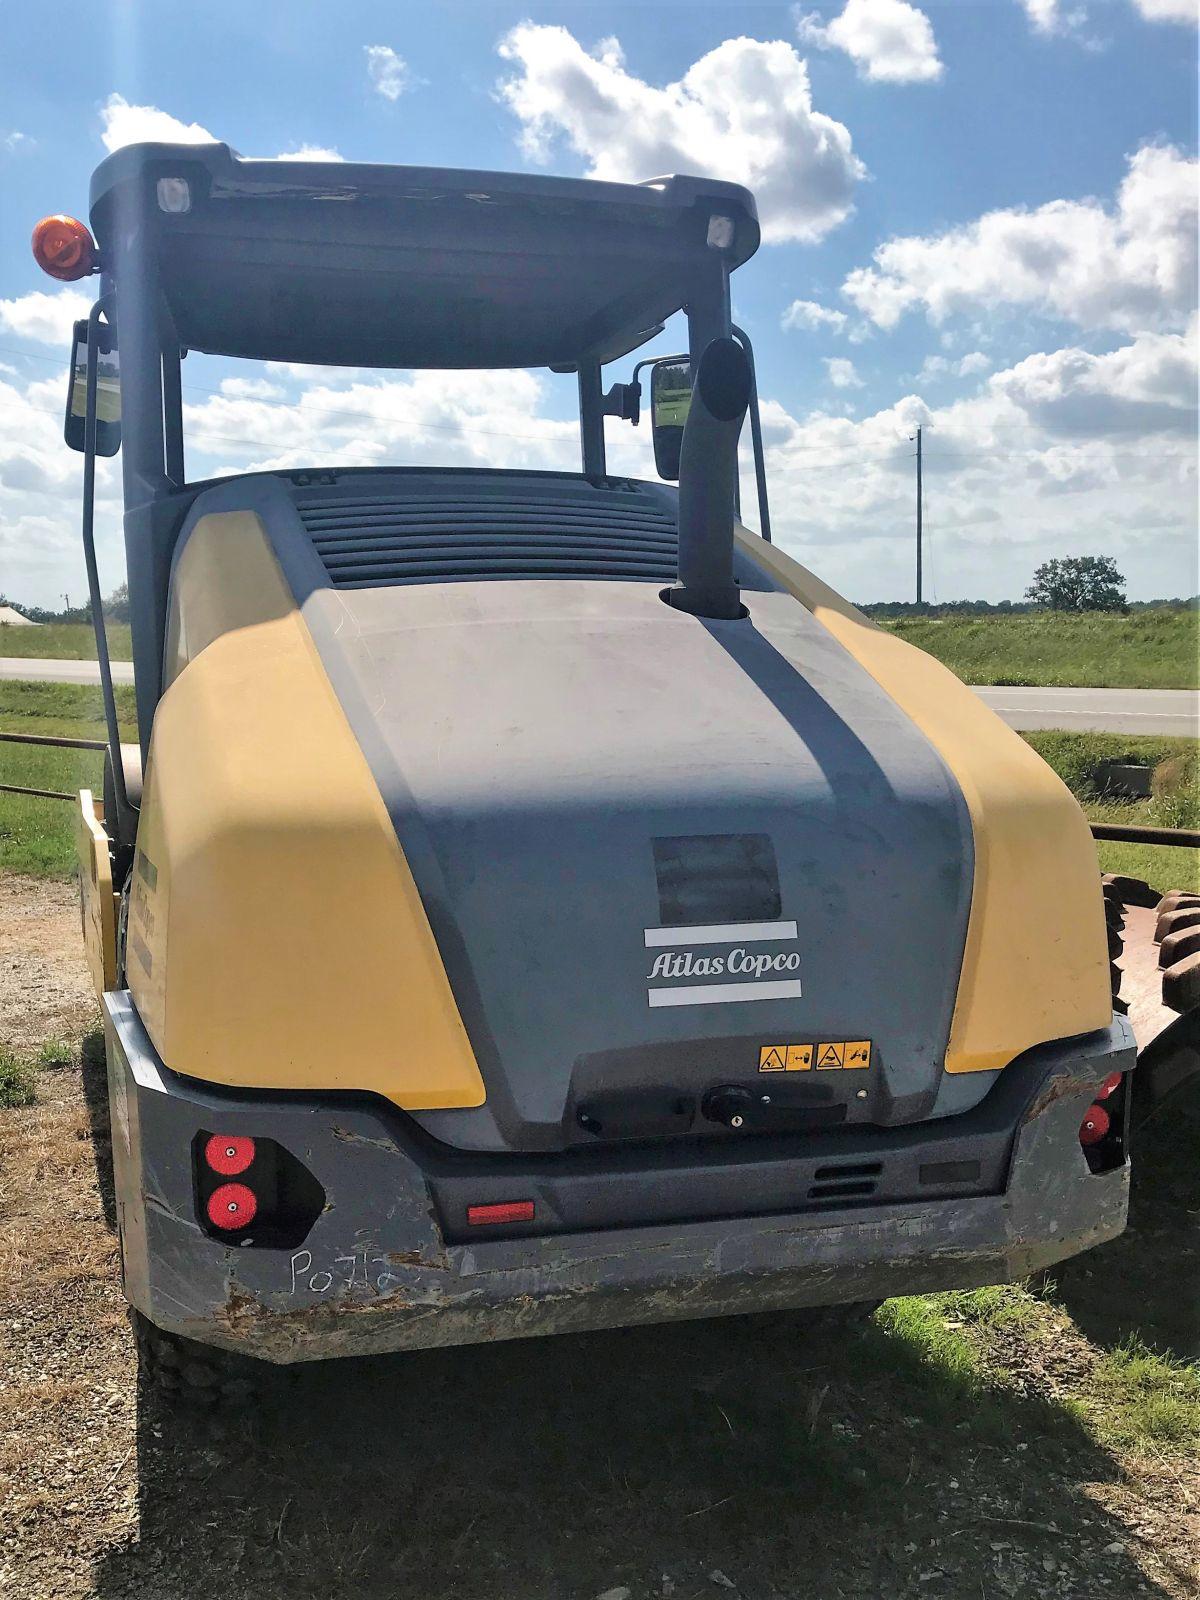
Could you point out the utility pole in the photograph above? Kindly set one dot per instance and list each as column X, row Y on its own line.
column 920, row 430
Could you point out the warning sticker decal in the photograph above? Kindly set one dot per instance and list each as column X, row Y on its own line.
column 826, row 1057
column 785, row 1057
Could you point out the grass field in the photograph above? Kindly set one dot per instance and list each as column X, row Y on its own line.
column 1145, row 650
column 38, row 835
column 1174, row 804
column 64, row 641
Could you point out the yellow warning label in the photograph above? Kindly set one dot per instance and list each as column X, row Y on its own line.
column 785, row 1057
column 831, row 1055
column 858, row 1053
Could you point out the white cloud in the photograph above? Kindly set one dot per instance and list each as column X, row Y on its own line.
column 1131, row 267
column 1042, row 14
column 1147, row 387
column 40, row 483
column 842, row 374
column 45, row 317
column 388, row 73
column 1169, row 10
column 459, row 418
column 1051, row 17
column 16, row 141
column 744, row 111
column 808, row 314
column 251, row 389
column 889, row 41
column 310, row 152
column 1063, row 454
column 1057, row 19
column 935, row 367
column 125, row 124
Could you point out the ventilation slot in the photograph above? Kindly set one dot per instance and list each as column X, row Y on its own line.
column 847, row 1181
column 406, row 534
column 841, row 1191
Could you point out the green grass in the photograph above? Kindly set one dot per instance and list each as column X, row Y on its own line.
column 1076, row 757
column 1161, row 868
column 72, row 710
column 17, row 1081
column 38, row 836
column 1145, row 650
column 64, row 641
column 1175, row 802
column 1139, row 1397
column 1134, row 1397
column 56, row 1053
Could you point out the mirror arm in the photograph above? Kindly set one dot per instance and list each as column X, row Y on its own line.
column 93, row 575
column 623, row 400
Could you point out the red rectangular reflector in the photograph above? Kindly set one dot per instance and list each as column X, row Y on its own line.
column 506, row 1211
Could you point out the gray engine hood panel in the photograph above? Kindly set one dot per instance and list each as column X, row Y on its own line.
column 532, row 739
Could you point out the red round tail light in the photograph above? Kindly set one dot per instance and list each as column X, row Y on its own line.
column 232, row 1206
column 1094, row 1126
column 1109, row 1086
column 229, row 1153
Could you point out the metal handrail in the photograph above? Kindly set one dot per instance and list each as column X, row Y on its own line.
column 45, row 738
column 1188, row 838
column 38, row 794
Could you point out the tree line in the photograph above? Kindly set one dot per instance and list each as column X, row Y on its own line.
column 1074, row 583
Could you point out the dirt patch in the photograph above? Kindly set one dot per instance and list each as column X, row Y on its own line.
column 45, row 990
column 749, row 1457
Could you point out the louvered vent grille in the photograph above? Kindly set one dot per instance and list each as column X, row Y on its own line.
column 419, row 533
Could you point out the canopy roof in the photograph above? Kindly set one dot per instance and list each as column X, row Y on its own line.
column 380, row 266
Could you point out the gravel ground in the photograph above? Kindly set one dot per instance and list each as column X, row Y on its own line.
column 697, row 1461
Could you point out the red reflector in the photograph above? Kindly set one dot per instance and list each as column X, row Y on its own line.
column 1094, row 1126
column 229, row 1153
column 232, row 1206
column 1111, row 1083
column 507, row 1211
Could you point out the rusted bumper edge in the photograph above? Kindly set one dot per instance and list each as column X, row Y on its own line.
column 375, row 1273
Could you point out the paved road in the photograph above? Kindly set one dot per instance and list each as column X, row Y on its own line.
column 34, row 670
column 1098, row 710
column 1093, row 710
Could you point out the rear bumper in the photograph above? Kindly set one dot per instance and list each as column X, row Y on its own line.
column 378, row 1271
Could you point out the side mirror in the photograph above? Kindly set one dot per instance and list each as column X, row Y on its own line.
column 108, row 392
column 670, row 401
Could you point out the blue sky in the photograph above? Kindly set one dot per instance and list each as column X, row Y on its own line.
column 981, row 216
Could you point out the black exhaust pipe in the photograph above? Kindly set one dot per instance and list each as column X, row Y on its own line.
column 708, row 467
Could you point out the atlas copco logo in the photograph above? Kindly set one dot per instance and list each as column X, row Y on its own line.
column 751, row 960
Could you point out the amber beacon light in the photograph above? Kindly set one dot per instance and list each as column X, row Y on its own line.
column 64, row 247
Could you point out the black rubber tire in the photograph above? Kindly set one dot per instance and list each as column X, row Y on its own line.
column 186, row 1372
